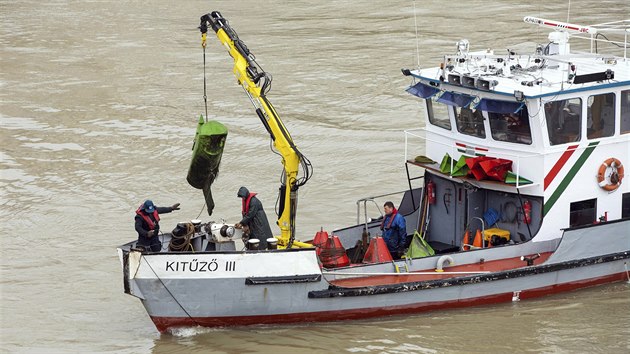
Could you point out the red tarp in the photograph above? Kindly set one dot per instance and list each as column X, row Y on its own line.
column 496, row 169
column 475, row 168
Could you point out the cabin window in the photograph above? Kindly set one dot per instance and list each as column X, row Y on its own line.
column 600, row 121
column 438, row 115
column 625, row 112
column 625, row 205
column 564, row 120
column 583, row 213
column 511, row 127
column 469, row 121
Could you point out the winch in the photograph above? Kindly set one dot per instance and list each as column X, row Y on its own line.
column 221, row 232
column 218, row 236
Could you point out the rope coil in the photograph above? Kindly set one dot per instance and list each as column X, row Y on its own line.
column 182, row 243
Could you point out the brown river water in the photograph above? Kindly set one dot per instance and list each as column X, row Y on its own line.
column 99, row 101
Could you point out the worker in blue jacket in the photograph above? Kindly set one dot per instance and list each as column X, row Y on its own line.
column 394, row 230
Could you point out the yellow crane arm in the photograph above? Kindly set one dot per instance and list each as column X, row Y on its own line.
column 256, row 83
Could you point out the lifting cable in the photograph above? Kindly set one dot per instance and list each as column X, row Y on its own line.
column 205, row 96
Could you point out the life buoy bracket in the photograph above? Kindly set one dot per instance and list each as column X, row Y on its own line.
column 610, row 182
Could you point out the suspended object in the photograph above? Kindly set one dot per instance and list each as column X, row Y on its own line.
column 207, row 151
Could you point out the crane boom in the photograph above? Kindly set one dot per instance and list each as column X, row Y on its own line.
column 256, row 83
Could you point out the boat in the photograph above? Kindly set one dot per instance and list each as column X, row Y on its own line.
column 519, row 193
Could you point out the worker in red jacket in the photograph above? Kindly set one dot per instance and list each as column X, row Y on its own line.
column 254, row 218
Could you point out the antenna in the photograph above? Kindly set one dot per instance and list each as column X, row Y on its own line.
column 415, row 20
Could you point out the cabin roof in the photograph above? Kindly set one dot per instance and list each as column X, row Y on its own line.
column 530, row 70
column 548, row 77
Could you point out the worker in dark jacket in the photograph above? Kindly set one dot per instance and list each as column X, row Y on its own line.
column 254, row 217
column 147, row 224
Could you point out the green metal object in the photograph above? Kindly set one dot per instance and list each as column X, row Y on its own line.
column 460, row 169
column 511, row 178
column 445, row 165
column 419, row 247
column 206, row 158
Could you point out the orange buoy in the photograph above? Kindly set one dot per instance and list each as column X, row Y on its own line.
column 466, row 241
column 377, row 252
column 321, row 237
column 477, row 243
column 333, row 254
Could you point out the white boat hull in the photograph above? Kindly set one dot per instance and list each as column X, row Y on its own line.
column 243, row 288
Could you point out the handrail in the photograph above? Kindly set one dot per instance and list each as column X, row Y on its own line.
column 368, row 199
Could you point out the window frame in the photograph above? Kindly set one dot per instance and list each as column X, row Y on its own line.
column 566, row 113
column 431, row 115
column 591, row 133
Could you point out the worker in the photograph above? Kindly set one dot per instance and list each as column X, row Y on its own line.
column 394, row 230
column 254, row 218
column 147, row 224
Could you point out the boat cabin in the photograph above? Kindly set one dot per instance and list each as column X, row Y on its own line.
column 560, row 121
column 519, row 146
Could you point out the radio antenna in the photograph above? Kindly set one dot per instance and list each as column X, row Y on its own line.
column 415, row 20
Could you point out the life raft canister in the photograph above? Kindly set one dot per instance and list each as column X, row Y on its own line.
column 614, row 179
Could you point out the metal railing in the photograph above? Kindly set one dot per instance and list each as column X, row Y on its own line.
column 371, row 199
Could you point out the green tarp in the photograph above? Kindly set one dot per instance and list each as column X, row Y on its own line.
column 419, row 247
column 461, row 168
column 511, row 178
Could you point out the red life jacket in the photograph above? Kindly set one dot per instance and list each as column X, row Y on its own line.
column 391, row 219
column 245, row 207
column 147, row 219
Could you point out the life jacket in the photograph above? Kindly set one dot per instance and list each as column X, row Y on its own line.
column 147, row 219
column 245, row 207
column 391, row 219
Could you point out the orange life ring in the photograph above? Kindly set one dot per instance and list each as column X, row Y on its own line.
column 613, row 181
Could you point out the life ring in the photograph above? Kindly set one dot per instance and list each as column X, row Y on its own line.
column 613, row 180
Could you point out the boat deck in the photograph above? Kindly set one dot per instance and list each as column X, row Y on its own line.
column 358, row 281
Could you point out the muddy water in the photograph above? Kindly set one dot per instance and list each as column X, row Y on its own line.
column 99, row 102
